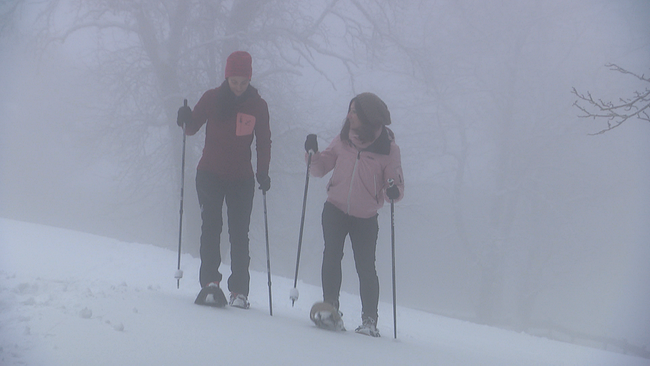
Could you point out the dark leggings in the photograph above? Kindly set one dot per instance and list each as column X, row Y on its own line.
column 238, row 195
column 363, row 235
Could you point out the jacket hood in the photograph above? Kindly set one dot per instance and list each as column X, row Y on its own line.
column 227, row 101
column 381, row 145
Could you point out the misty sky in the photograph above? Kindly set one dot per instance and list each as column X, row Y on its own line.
column 502, row 176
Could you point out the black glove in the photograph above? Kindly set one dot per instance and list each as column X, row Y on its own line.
column 392, row 192
column 184, row 115
column 265, row 182
column 311, row 143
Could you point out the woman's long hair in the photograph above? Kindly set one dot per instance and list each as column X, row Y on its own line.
column 368, row 129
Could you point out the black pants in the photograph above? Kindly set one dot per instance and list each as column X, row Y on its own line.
column 239, row 203
column 363, row 235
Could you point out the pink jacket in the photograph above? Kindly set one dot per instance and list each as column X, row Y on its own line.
column 360, row 178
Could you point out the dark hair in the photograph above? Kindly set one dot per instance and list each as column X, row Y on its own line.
column 368, row 128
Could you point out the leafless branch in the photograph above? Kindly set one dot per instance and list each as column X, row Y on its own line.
column 615, row 113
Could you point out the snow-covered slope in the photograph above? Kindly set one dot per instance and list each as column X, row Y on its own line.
column 69, row 298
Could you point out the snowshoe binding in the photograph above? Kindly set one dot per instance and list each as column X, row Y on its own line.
column 211, row 295
column 326, row 316
column 239, row 301
column 368, row 327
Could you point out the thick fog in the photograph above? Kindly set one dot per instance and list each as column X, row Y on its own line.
column 517, row 212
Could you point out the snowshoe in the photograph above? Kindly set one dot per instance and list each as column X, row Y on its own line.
column 326, row 316
column 211, row 295
column 368, row 327
column 239, row 301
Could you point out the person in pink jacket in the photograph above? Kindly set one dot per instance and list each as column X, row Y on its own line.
column 366, row 171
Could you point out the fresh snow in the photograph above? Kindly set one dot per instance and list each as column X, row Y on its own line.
column 70, row 298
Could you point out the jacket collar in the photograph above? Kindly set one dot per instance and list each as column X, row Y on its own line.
column 382, row 144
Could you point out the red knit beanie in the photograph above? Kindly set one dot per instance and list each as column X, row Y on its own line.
column 239, row 63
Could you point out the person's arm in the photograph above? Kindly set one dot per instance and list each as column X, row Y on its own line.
column 263, row 143
column 324, row 161
column 199, row 114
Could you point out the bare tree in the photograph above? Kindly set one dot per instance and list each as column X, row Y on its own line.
column 485, row 113
column 7, row 15
column 147, row 56
column 616, row 113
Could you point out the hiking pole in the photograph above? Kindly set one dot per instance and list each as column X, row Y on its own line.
column 392, row 246
column 268, row 255
column 294, row 291
column 179, row 273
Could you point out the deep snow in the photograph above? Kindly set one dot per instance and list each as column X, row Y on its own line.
column 70, row 298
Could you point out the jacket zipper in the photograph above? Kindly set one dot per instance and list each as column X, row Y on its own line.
column 354, row 171
column 374, row 180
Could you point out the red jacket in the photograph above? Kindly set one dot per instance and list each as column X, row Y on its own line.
column 231, row 123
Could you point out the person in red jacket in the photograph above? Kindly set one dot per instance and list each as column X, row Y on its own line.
column 233, row 113
column 367, row 171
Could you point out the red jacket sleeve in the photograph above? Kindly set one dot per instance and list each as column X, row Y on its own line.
column 263, row 141
column 201, row 112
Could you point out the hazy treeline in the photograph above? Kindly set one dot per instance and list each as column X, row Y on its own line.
column 513, row 213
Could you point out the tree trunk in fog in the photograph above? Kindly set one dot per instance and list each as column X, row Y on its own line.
column 164, row 54
column 506, row 197
column 526, row 298
column 243, row 13
column 489, row 293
